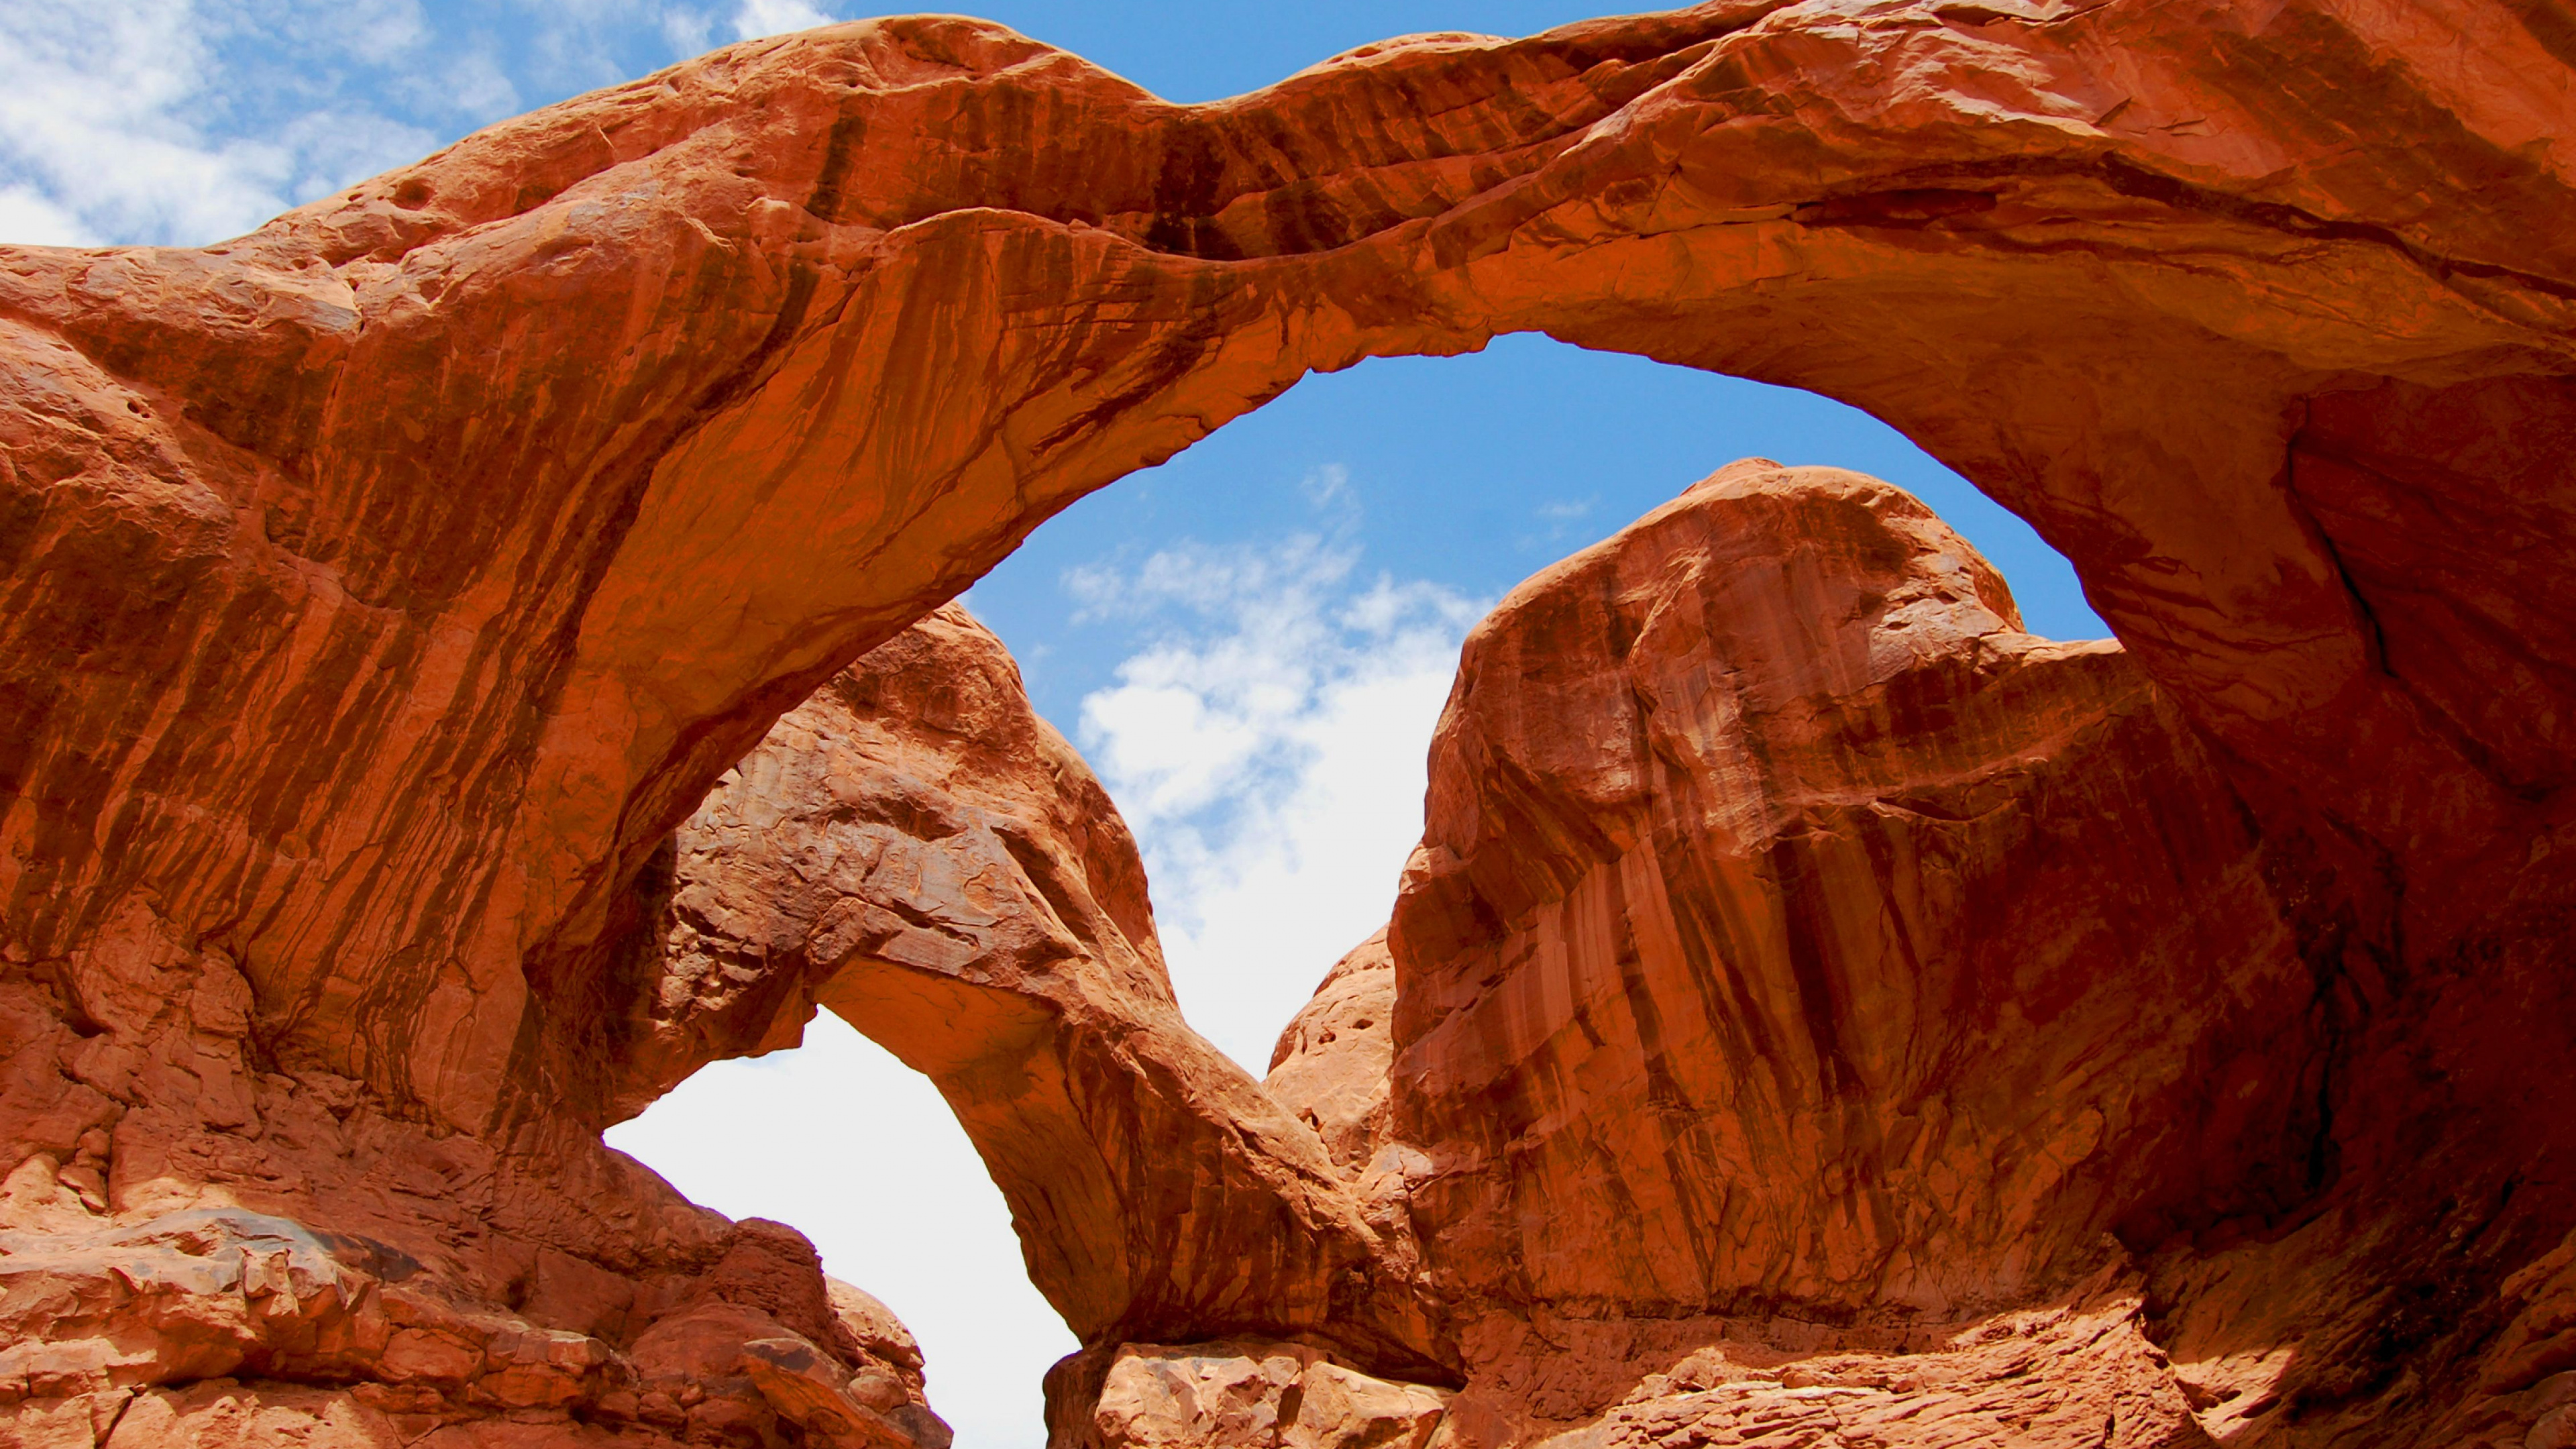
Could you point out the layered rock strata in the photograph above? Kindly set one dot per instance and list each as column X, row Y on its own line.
column 378, row 591
column 1799, row 951
column 199, row 1251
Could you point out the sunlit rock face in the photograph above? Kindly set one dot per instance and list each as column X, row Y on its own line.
column 1796, row 940
column 385, row 585
column 383, row 588
column 1331, row 1064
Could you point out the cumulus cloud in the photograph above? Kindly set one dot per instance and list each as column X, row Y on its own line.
column 90, row 99
column 1268, row 748
column 134, row 121
column 30, row 217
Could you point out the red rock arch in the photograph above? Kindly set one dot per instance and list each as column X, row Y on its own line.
column 388, row 579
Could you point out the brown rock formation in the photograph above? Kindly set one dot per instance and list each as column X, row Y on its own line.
column 1331, row 1067
column 1230, row 1395
column 916, row 850
column 379, row 590
column 1794, row 938
column 531, row 606
column 1783, row 918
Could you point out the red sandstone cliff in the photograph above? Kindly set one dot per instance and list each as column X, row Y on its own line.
column 382, row 588
column 1800, row 959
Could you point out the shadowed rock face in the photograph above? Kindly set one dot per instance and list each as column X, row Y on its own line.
column 378, row 592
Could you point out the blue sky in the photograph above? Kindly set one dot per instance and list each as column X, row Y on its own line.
column 1251, row 642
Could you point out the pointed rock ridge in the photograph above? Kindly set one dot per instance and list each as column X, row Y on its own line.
column 1795, row 937
column 1331, row 1065
column 916, row 850
column 386, row 584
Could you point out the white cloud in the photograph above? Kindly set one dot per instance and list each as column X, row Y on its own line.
column 687, row 31
column 105, row 110
column 1269, row 754
column 472, row 84
column 757, row 18
column 1327, row 485
column 859, row 1152
column 187, row 121
column 379, row 32
column 29, row 217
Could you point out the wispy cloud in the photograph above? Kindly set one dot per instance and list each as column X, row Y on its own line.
column 1267, row 747
column 95, row 134
column 1327, row 485
column 187, row 121
column 757, row 18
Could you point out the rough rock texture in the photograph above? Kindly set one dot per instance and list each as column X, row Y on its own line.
column 916, row 850
column 1793, row 937
column 378, row 592
column 1332, row 1064
column 2079, row 1376
column 226, row 1325
column 196, row 1246
column 386, row 584
column 1233, row 1395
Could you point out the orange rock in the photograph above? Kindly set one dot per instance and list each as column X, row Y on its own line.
column 1782, row 922
column 378, row 591
column 528, row 607
column 1793, row 935
column 915, row 849
column 1235, row 1395
column 1331, row 1064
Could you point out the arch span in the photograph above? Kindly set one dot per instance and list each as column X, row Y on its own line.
column 388, row 582
column 915, row 850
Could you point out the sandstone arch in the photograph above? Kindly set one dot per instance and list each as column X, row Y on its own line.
column 873, row 301
column 382, row 587
column 915, row 850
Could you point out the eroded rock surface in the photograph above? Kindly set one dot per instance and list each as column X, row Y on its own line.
column 916, row 850
column 1787, row 922
column 1232, row 1395
column 1332, row 1064
column 774, row 351
column 378, row 592
column 503, row 1320
column 1794, row 937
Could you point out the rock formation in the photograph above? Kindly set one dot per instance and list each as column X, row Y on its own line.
column 1797, row 946
column 916, row 850
column 379, row 591
column 1335, row 1058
